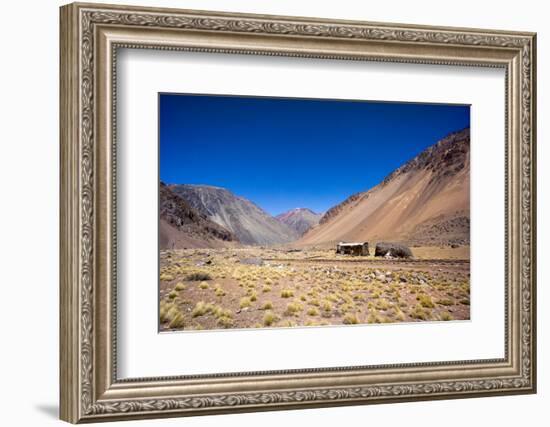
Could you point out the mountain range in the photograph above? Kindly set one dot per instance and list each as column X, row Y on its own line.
column 426, row 201
column 249, row 223
column 300, row 219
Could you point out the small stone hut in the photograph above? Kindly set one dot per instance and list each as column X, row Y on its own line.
column 361, row 248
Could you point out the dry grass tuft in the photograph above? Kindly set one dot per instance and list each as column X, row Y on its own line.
column 420, row 313
column 245, row 302
column 287, row 293
column 200, row 309
column 269, row 318
column 177, row 321
column 198, row 276
column 350, row 319
column 374, row 317
column 225, row 321
column 326, row 307
column 293, row 308
column 425, row 301
column 446, row 316
column 313, row 311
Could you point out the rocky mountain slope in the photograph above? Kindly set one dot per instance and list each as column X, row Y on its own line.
column 300, row 219
column 424, row 202
column 249, row 223
column 182, row 226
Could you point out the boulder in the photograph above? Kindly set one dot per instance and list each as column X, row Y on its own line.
column 395, row 250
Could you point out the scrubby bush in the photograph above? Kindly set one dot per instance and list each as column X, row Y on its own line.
column 245, row 302
column 200, row 309
column 446, row 316
column 269, row 318
column 419, row 313
column 425, row 301
column 350, row 319
column 225, row 321
column 293, row 308
column 198, row 276
column 287, row 293
column 313, row 311
column 177, row 321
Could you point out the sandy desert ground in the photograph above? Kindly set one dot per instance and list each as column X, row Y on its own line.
column 256, row 288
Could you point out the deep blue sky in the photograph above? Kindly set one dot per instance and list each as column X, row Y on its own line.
column 285, row 153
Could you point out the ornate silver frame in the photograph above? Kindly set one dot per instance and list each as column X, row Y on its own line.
column 90, row 36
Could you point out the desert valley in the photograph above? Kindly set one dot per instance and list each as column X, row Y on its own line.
column 227, row 263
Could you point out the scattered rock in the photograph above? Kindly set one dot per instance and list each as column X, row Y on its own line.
column 395, row 250
column 402, row 279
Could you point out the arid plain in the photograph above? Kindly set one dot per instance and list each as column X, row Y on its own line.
column 243, row 288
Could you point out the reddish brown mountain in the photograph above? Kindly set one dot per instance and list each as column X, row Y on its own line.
column 424, row 202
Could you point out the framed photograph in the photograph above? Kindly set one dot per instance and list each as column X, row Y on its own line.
column 266, row 212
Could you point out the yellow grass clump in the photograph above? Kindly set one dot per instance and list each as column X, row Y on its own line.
column 326, row 307
column 446, row 316
column 419, row 313
column 350, row 319
column 177, row 321
column 269, row 318
column 293, row 308
column 200, row 309
column 313, row 311
column 287, row 293
column 225, row 321
column 425, row 301
column 245, row 302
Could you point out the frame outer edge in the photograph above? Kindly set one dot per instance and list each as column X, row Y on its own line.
column 534, row 270
column 77, row 338
column 69, row 356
